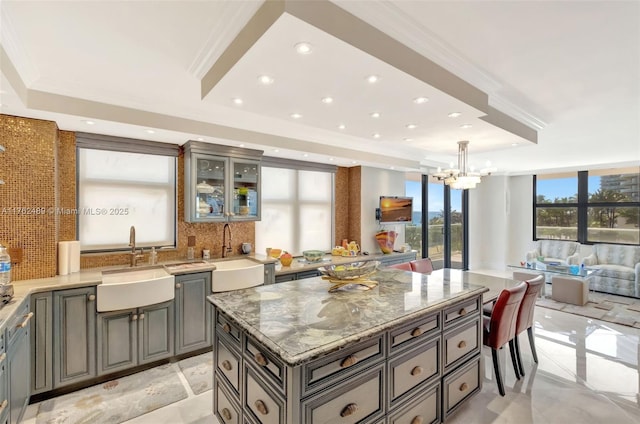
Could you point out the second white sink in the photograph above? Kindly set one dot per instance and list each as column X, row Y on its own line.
column 132, row 288
column 236, row 274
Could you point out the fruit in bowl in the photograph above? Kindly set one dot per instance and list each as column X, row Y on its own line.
column 286, row 258
column 313, row 255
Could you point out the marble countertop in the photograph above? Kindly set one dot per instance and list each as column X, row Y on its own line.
column 299, row 264
column 300, row 320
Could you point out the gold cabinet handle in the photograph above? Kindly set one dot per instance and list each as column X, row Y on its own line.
column 416, row 332
column 261, row 407
column 3, row 356
column 227, row 365
column 178, row 285
column 416, row 371
column 463, row 312
column 349, row 361
column 226, row 414
column 92, row 297
column 417, row 419
column 3, row 405
column 349, row 410
column 463, row 387
column 134, row 317
column 26, row 320
column 260, row 359
column 141, row 316
column 226, row 328
column 462, row 344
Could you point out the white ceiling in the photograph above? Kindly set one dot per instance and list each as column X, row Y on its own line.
column 569, row 70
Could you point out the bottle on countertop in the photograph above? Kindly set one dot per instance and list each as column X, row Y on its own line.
column 5, row 266
column 153, row 256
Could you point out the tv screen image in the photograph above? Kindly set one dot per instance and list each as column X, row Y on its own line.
column 396, row 209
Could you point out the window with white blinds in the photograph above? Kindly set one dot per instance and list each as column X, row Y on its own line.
column 297, row 210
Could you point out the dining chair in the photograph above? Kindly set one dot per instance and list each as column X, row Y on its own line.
column 423, row 266
column 525, row 318
column 500, row 328
column 405, row 266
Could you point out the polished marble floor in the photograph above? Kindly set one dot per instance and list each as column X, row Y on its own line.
column 587, row 373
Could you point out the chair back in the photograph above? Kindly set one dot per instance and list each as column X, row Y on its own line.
column 423, row 266
column 525, row 315
column 405, row 266
column 502, row 325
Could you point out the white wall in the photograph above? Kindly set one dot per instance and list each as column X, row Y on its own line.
column 377, row 182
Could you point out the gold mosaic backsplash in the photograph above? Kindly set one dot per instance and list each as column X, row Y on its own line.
column 341, row 204
column 67, row 184
column 355, row 203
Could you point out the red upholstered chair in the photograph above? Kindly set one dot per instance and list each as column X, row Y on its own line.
column 423, row 266
column 500, row 328
column 525, row 317
column 405, row 266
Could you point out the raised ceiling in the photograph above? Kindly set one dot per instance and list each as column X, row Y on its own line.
column 544, row 85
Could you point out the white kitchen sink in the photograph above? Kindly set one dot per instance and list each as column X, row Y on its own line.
column 236, row 274
column 132, row 288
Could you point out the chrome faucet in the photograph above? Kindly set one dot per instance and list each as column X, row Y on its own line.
column 226, row 247
column 132, row 243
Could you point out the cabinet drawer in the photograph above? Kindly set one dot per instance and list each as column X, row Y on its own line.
column 2, row 346
column 18, row 322
column 460, row 385
column 413, row 368
column 414, row 333
column 461, row 342
column 226, row 326
column 266, row 363
column 342, row 363
column 226, row 410
column 422, row 410
column 264, row 405
column 355, row 401
column 461, row 310
column 228, row 363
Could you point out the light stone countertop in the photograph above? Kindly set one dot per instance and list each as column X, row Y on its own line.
column 299, row 264
column 300, row 320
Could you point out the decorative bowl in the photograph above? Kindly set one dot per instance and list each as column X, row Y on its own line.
column 313, row 255
column 350, row 271
column 275, row 253
column 286, row 260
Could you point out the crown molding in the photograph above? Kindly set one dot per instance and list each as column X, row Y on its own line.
column 516, row 112
column 20, row 59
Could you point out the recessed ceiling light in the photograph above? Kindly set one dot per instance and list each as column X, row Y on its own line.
column 241, row 145
column 303, row 48
column 150, row 131
column 372, row 79
column 514, row 144
column 276, row 150
column 331, row 159
column 411, row 126
column 265, row 79
column 392, row 167
column 375, row 114
column 89, row 122
column 407, row 139
column 200, row 139
column 354, row 162
column 342, row 126
column 237, row 101
column 465, row 126
column 327, row 100
column 296, row 115
column 454, row 114
column 376, row 135
column 420, row 100
column 306, row 155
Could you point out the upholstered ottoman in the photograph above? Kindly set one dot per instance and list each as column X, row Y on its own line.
column 570, row 290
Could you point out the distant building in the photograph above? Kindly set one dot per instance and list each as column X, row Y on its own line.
column 628, row 184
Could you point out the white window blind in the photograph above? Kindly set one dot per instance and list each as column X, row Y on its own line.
column 297, row 210
column 119, row 189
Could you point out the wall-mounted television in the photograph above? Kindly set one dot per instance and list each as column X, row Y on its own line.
column 395, row 209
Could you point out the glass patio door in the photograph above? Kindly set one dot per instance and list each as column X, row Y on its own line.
column 445, row 233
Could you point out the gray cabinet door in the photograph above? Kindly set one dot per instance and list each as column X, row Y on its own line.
column 193, row 312
column 117, row 340
column 269, row 273
column 155, row 332
column 74, row 341
column 41, row 342
column 18, row 362
column 4, row 394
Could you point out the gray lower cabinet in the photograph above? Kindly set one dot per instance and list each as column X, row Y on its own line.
column 132, row 337
column 269, row 273
column 74, row 332
column 193, row 312
column 18, row 364
column 41, row 343
column 4, row 393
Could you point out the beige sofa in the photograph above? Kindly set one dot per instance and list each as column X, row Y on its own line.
column 618, row 269
column 565, row 252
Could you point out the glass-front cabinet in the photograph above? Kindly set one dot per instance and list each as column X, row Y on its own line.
column 222, row 183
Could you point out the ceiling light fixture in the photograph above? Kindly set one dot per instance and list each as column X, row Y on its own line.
column 296, row 115
column 89, row 122
column 411, row 126
column 342, row 126
column 200, row 139
column 462, row 177
column 466, row 126
column 306, row 155
column 407, row 139
column 454, row 114
column 303, row 48
column 265, row 79
column 237, row 101
column 375, row 114
column 276, row 150
column 240, row 145
column 420, row 100
column 150, row 131
column 372, row 79
column 376, row 135
column 327, row 100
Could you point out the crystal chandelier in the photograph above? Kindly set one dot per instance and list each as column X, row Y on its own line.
column 462, row 178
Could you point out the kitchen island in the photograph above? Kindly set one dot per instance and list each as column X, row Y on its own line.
column 406, row 351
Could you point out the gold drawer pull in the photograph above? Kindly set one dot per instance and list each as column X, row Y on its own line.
column 260, row 359
column 261, row 407
column 462, row 312
column 416, row 332
column 226, row 414
column 416, row 371
column 3, row 356
column 179, row 285
column 417, row 420
column 3, row 405
column 462, row 344
column 227, row 365
column 26, row 320
column 349, row 361
column 349, row 410
column 92, row 297
column 463, row 387
column 226, row 328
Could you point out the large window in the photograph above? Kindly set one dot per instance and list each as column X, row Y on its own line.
column 118, row 189
column 589, row 206
column 297, row 209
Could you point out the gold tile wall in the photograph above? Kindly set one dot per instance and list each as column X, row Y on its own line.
column 341, row 204
column 355, row 203
column 67, row 184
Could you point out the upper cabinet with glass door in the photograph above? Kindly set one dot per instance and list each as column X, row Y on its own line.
column 222, row 183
